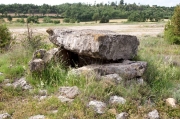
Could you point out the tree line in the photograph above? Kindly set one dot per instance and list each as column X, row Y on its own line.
column 89, row 12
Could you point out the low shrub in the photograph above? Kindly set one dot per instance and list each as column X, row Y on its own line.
column 56, row 21
column 104, row 19
column 172, row 28
column 20, row 20
column 66, row 20
column 72, row 20
column 47, row 20
column 5, row 37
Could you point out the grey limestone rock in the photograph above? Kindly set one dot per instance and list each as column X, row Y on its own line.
column 117, row 100
column 36, row 65
column 64, row 99
column 153, row 115
column 100, row 44
column 122, row 115
column 37, row 117
column 115, row 78
column 5, row 116
column 98, row 106
column 126, row 69
column 69, row 92
column 22, row 83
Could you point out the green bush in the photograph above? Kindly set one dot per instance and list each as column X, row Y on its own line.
column 56, row 21
column 66, row 20
column 72, row 20
column 172, row 28
column 5, row 37
column 47, row 20
column 34, row 19
column 20, row 20
column 104, row 19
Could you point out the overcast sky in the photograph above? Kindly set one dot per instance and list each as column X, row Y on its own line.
column 57, row 2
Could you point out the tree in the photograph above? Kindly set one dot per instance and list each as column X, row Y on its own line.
column 122, row 2
column 9, row 17
column 48, row 11
column 95, row 16
column 5, row 37
column 104, row 19
column 172, row 28
column 42, row 11
column 34, row 19
column 47, row 20
column 5, row 13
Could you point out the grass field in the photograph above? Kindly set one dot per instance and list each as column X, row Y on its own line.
column 162, row 78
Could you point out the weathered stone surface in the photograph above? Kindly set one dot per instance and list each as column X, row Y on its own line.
column 115, row 78
column 37, row 117
column 126, row 69
column 5, row 116
column 171, row 102
column 122, row 115
column 36, row 65
column 6, row 81
column 64, row 99
column 42, row 93
column 98, row 106
column 153, row 115
column 22, row 83
column 69, row 92
column 39, row 54
column 140, row 81
column 100, row 44
column 117, row 100
column 1, row 73
column 49, row 55
column 54, row 111
column 42, row 57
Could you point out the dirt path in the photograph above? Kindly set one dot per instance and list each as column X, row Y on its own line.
column 135, row 29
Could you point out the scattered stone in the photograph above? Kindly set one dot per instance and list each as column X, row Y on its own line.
column 22, row 83
column 100, row 44
column 54, row 111
column 171, row 102
column 112, row 111
column 140, row 81
column 126, row 69
column 8, row 84
column 42, row 93
column 36, row 65
column 37, row 117
column 5, row 116
column 153, row 115
column 42, row 97
column 1, row 73
column 98, row 106
column 39, row 54
column 42, row 57
column 115, row 78
column 117, row 100
column 6, row 81
column 69, row 92
column 64, row 99
column 122, row 115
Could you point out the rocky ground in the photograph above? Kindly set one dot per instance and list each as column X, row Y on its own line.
column 70, row 95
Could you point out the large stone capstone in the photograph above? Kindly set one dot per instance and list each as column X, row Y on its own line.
column 100, row 44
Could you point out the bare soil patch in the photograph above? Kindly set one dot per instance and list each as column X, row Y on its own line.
column 129, row 29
